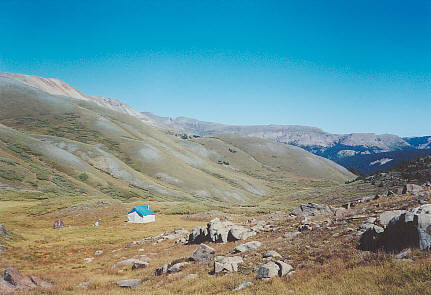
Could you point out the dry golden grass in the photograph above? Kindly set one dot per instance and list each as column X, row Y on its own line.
column 324, row 264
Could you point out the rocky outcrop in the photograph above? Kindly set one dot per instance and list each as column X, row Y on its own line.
column 250, row 246
column 174, row 266
column 177, row 267
column 312, row 209
column 411, row 229
column 161, row 270
column 271, row 254
column 4, row 231
column 386, row 216
column 273, row 269
column 411, row 188
column 137, row 262
column 227, row 264
column 12, row 281
column 218, row 231
column 203, row 253
column 268, row 270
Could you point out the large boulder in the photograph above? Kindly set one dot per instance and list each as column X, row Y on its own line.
column 203, row 253
column 218, row 230
column 268, row 270
column 198, row 235
column 312, row 209
column 229, row 264
column 411, row 229
column 386, row 216
column 284, row 268
column 238, row 232
column 250, row 246
column 15, row 278
column 411, row 188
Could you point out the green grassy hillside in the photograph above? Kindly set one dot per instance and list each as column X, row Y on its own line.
column 59, row 144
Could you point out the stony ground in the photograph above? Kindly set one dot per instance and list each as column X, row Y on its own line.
column 322, row 251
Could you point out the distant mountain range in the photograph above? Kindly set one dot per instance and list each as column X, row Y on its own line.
column 353, row 150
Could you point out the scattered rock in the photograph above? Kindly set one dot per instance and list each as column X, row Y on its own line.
column 229, row 264
column 271, row 253
column 284, row 268
column 16, row 279
column 39, row 282
column 405, row 260
column 403, row 254
column 191, row 276
column 408, row 230
column 89, row 259
column 340, row 213
column 268, row 270
column 238, row 232
column 291, row 235
column 130, row 283
column 305, row 227
column 198, row 235
column 371, row 220
column 177, row 267
column 98, row 252
column 203, row 253
column 411, row 188
column 312, row 209
column 161, row 270
column 386, row 216
column 250, row 246
column 367, row 226
column 4, row 231
column 218, row 231
column 5, row 287
column 58, row 224
column 139, row 264
column 243, row 285
column 83, row 285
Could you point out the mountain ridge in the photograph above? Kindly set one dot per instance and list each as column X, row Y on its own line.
column 115, row 153
column 310, row 138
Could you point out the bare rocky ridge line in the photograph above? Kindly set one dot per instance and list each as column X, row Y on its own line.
column 332, row 146
column 57, row 87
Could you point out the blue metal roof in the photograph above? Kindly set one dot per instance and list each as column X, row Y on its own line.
column 142, row 210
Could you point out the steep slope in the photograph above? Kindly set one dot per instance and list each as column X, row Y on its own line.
column 57, row 87
column 423, row 142
column 370, row 164
column 100, row 150
column 331, row 146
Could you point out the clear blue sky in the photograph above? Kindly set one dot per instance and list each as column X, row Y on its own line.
column 343, row 66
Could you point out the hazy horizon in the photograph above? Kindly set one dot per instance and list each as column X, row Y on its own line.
column 341, row 67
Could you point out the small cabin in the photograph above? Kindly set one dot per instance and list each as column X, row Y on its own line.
column 141, row 214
